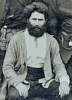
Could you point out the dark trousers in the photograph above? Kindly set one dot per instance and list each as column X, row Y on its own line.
column 37, row 92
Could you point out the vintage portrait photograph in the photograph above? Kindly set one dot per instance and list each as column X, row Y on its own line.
column 35, row 49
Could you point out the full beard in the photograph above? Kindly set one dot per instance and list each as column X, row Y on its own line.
column 36, row 31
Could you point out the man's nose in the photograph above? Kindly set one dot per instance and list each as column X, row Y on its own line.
column 37, row 23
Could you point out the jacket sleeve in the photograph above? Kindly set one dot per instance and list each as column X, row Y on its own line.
column 58, row 66
column 9, row 62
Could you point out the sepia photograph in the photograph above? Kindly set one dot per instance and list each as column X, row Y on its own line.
column 35, row 49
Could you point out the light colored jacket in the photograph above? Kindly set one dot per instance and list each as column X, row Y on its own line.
column 14, row 66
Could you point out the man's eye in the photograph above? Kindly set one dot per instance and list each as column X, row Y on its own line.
column 34, row 19
column 40, row 19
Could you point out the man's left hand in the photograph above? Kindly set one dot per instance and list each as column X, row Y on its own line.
column 64, row 89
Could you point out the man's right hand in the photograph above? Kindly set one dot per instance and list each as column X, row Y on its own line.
column 23, row 89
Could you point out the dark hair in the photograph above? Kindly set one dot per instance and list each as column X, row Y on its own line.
column 36, row 6
column 19, row 20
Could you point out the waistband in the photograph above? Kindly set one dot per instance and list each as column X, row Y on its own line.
column 33, row 74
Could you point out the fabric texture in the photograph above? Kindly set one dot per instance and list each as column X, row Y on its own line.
column 14, row 67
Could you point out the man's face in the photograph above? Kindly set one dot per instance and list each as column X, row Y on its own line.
column 37, row 19
column 36, row 24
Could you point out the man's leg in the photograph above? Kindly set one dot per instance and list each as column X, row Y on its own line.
column 13, row 94
column 54, row 87
column 51, row 93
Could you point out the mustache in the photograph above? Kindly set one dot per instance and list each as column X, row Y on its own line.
column 29, row 25
column 35, row 31
column 35, row 27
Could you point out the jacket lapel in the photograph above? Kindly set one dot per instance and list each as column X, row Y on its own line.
column 47, row 64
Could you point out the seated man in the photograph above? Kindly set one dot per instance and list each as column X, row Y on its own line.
column 65, row 43
column 29, row 59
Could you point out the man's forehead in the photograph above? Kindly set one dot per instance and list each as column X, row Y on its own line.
column 36, row 14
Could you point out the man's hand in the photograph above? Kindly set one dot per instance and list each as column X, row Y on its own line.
column 23, row 89
column 64, row 89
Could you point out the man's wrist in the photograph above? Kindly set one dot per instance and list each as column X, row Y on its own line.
column 64, row 83
column 18, row 85
column 65, row 80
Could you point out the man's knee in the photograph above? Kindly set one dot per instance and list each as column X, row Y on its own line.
column 13, row 94
column 54, row 88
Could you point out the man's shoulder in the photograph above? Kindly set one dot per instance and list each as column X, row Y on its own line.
column 51, row 37
column 19, row 35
